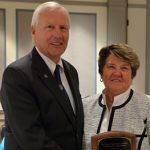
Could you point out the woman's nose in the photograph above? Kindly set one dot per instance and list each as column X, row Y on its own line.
column 117, row 71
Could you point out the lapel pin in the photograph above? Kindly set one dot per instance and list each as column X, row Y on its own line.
column 45, row 76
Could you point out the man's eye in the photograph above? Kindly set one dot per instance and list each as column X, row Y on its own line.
column 50, row 27
column 64, row 28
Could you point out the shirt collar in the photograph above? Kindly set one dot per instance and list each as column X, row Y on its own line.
column 119, row 99
column 51, row 65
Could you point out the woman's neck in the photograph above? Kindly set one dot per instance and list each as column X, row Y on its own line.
column 109, row 99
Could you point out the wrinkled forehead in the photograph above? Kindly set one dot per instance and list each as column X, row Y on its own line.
column 56, row 10
column 50, row 7
column 112, row 58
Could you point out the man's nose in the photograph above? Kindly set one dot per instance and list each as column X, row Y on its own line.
column 57, row 32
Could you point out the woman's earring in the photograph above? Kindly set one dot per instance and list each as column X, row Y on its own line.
column 101, row 80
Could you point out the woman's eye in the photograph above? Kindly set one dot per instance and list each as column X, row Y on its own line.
column 110, row 66
column 125, row 68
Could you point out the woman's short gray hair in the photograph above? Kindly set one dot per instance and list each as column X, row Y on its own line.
column 122, row 51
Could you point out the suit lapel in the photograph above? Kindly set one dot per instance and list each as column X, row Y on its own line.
column 76, row 94
column 48, row 80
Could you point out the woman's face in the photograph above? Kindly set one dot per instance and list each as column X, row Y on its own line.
column 117, row 75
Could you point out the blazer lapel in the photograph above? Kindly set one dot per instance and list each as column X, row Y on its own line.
column 47, row 78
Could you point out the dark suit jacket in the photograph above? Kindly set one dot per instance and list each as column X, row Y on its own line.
column 37, row 115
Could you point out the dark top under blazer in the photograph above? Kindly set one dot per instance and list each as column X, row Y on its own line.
column 37, row 116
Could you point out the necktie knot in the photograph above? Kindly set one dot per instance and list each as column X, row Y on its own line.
column 57, row 74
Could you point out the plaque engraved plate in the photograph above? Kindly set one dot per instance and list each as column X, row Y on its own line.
column 114, row 140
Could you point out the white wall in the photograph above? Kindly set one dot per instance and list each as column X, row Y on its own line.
column 137, row 38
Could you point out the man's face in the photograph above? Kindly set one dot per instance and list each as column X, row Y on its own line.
column 51, row 34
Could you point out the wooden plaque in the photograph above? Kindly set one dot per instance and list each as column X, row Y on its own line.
column 114, row 140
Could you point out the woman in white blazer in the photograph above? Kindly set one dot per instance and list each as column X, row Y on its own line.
column 118, row 107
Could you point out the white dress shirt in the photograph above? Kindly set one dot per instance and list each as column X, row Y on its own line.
column 51, row 65
column 118, row 100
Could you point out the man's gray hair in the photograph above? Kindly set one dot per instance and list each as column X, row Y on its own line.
column 46, row 6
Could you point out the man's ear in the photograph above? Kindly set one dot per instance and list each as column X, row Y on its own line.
column 32, row 30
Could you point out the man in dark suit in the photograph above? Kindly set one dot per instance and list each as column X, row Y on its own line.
column 38, row 115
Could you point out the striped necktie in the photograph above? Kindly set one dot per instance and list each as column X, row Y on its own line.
column 58, row 79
